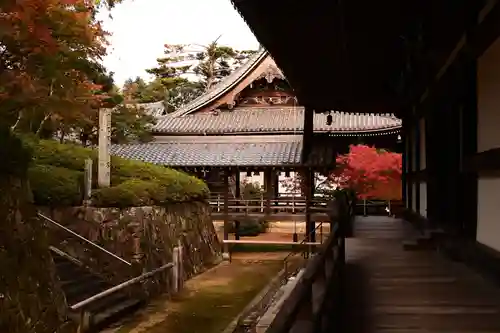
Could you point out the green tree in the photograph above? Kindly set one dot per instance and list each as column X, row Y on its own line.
column 138, row 91
column 208, row 66
column 170, row 68
column 130, row 123
column 46, row 48
column 214, row 63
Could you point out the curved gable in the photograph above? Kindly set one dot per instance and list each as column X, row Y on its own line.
column 261, row 65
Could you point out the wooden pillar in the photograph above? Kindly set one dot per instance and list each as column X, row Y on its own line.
column 417, row 164
column 432, row 159
column 276, row 186
column 310, row 225
column 237, row 190
column 404, row 160
column 468, row 197
column 409, row 142
column 225, row 175
column 468, row 144
column 268, row 187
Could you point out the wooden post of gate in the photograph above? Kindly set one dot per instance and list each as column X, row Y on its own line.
column 104, row 167
column 225, row 254
column 87, row 181
column 180, row 264
column 175, row 270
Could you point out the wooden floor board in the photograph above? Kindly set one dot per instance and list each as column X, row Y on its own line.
column 390, row 290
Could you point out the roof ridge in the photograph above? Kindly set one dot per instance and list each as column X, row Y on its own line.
column 222, row 86
column 281, row 119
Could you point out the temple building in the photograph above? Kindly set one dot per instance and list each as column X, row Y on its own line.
column 251, row 122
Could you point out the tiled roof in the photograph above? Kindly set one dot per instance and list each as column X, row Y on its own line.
column 272, row 119
column 223, row 85
column 242, row 151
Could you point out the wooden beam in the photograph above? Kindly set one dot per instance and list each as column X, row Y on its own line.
column 256, row 242
column 485, row 164
column 308, row 133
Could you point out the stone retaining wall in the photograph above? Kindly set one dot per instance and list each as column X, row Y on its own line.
column 144, row 236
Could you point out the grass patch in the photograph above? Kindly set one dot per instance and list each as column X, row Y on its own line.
column 210, row 301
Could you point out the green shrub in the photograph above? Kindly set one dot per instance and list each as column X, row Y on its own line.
column 133, row 192
column 249, row 226
column 178, row 185
column 133, row 183
column 251, row 191
column 51, row 152
column 55, row 186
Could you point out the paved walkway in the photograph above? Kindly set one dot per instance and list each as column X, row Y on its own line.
column 395, row 291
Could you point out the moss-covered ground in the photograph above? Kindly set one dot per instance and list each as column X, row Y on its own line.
column 209, row 302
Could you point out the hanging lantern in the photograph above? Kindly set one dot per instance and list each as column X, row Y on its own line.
column 249, row 174
column 287, row 174
column 256, row 173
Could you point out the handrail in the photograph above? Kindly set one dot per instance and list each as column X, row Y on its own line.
column 256, row 242
column 303, row 291
column 303, row 242
column 282, row 200
column 121, row 286
column 84, row 239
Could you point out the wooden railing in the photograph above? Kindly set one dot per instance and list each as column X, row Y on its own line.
column 378, row 207
column 291, row 266
column 82, row 307
column 297, row 205
column 272, row 206
column 70, row 233
column 317, row 298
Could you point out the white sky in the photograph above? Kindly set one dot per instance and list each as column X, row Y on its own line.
column 140, row 28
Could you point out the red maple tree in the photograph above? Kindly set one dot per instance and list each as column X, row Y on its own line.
column 370, row 172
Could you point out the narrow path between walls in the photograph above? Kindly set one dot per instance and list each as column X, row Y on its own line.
column 209, row 301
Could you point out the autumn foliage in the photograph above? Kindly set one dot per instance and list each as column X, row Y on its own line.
column 49, row 54
column 371, row 173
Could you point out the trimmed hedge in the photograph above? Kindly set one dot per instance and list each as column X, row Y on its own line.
column 68, row 155
column 55, row 186
column 249, row 226
column 56, row 179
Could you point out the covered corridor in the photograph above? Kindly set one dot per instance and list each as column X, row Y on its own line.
column 434, row 64
column 392, row 290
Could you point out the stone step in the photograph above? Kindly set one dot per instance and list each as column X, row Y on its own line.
column 79, row 284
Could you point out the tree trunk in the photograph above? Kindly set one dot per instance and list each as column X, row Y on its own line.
column 19, row 117
column 40, row 127
column 62, row 135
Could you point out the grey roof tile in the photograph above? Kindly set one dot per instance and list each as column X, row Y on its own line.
column 272, row 119
column 240, row 153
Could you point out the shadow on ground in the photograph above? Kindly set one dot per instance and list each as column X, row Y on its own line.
column 358, row 304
